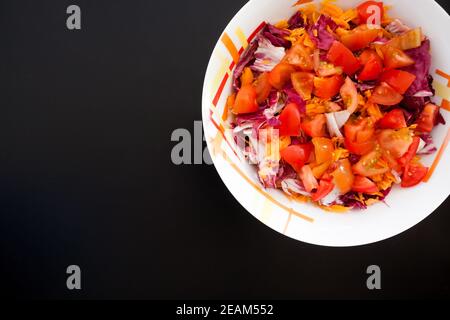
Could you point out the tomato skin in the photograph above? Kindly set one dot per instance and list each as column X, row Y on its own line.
column 364, row 185
column 300, row 56
column 427, row 118
column 412, row 151
column 290, row 119
column 349, row 95
column 323, row 149
column 385, row 95
column 359, row 136
column 396, row 142
column 308, row 179
column 395, row 58
column 367, row 166
column 364, row 13
column 343, row 176
column 327, row 88
column 413, row 175
column 315, row 127
column 245, row 101
column 360, row 37
column 262, row 87
column 398, row 79
column 394, row 119
column 325, row 187
column 341, row 56
column 371, row 70
column 303, row 83
column 297, row 155
column 280, row 75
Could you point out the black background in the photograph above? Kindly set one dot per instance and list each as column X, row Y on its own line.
column 86, row 176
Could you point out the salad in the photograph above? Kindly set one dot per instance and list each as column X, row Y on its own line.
column 334, row 106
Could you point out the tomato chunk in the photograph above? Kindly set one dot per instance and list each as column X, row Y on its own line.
column 413, row 175
column 398, row 79
column 300, row 56
column 341, row 56
column 325, row 187
column 396, row 142
column 303, row 83
column 290, row 119
column 395, row 58
column 280, row 75
column 364, row 185
column 297, row 155
column 262, row 87
column 370, row 165
column 327, row 88
column 412, row 151
column 427, row 118
column 394, row 119
column 343, row 176
column 245, row 100
column 349, row 95
column 359, row 136
column 364, row 12
column 360, row 37
column 385, row 95
column 315, row 126
column 323, row 149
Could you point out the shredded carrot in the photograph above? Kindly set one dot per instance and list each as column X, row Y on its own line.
column 300, row 2
column 247, row 77
column 282, row 24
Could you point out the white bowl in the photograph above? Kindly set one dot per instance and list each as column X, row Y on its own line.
column 306, row 222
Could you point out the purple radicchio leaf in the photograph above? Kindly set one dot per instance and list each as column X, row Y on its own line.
column 296, row 21
column 294, row 97
column 277, row 36
column 324, row 39
column 245, row 60
column 421, row 68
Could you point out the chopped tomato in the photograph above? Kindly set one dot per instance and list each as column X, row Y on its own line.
column 245, row 100
column 327, row 88
column 391, row 161
column 343, row 176
column 364, row 12
column 394, row 119
column 297, row 155
column 308, row 179
column 368, row 55
column 408, row 40
column 396, row 142
column 262, row 87
column 370, row 165
column 325, row 187
column 409, row 155
column 360, row 37
column 385, row 95
column 427, row 118
column 319, row 170
column 413, row 175
column 280, row 75
column 371, row 70
column 398, row 79
column 349, row 95
column 341, row 56
column 323, row 149
column 359, row 136
column 364, row 185
column 247, row 77
column 303, row 83
column 395, row 58
column 315, row 127
column 300, row 56
column 290, row 121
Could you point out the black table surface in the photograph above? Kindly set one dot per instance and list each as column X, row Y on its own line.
column 86, row 176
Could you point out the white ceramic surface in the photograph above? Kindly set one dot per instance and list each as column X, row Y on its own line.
column 406, row 207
